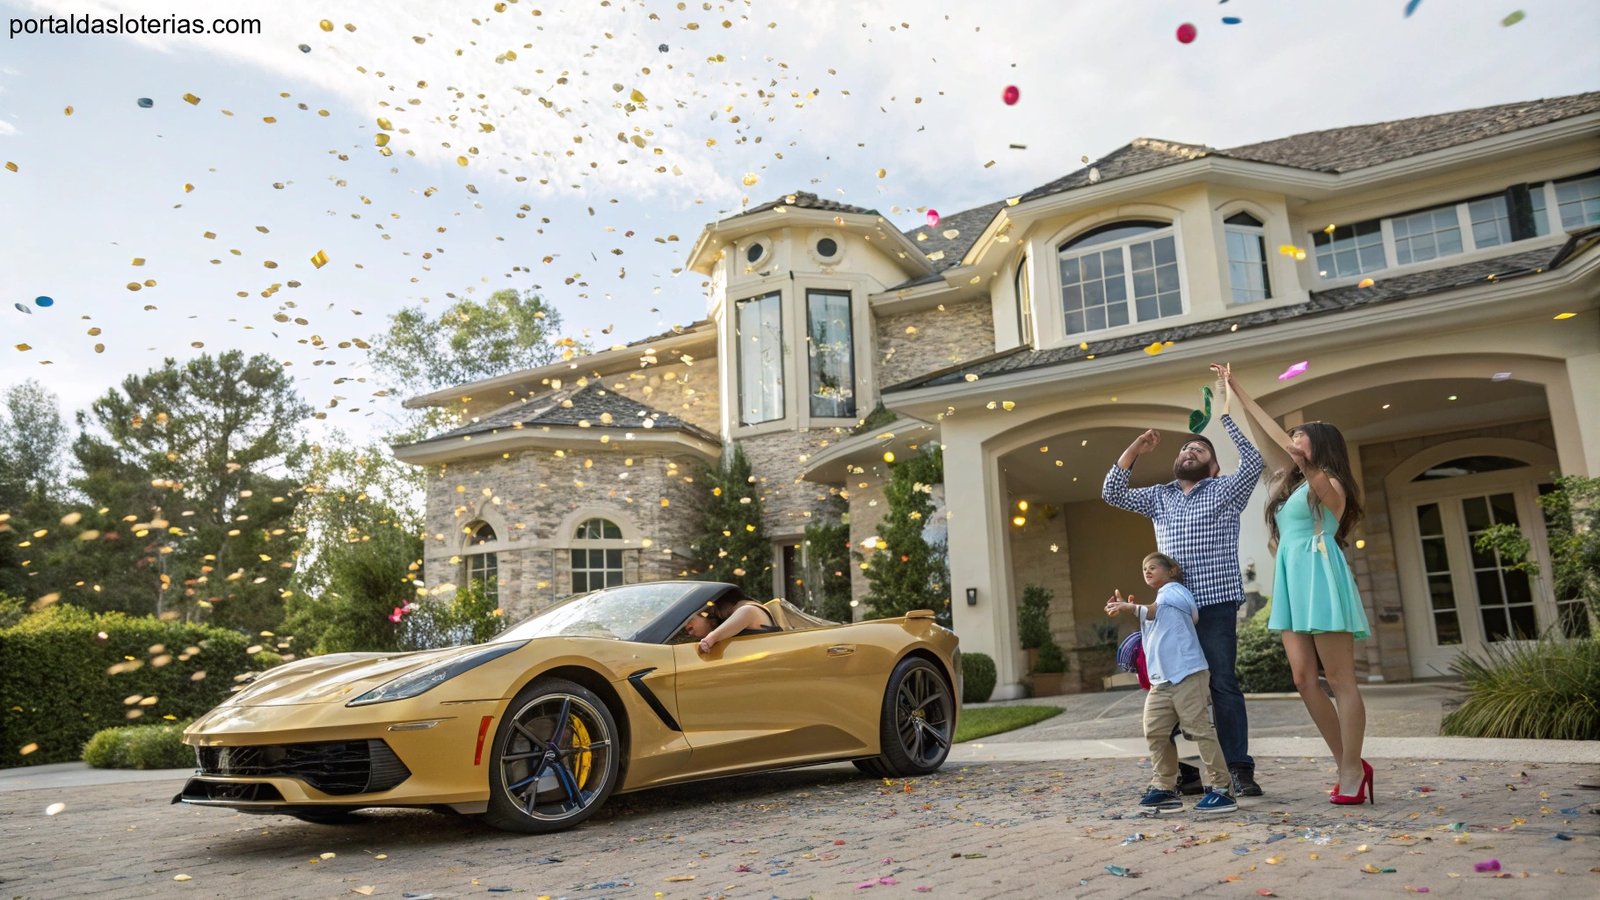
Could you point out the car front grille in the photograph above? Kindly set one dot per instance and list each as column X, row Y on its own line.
column 332, row 767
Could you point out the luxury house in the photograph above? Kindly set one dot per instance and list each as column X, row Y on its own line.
column 1437, row 276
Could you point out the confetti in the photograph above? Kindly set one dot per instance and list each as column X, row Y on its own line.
column 1187, row 33
column 1513, row 19
column 1297, row 369
column 1154, row 348
column 54, row 809
column 191, row 99
column 23, row 308
column 1011, row 95
column 1411, row 7
column 180, row 878
column 325, row 25
column 305, row 48
column 11, row 166
column 320, row 258
column 1121, row 872
column 1487, row 865
column 1200, row 418
column 1366, row 283
column 933, row 218
column 146, row 103
column 1231, row 20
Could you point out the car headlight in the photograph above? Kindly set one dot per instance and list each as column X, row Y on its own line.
column 428, row 677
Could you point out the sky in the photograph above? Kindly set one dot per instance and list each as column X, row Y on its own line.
column 577, row 149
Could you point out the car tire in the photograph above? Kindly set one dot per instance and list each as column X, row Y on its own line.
column 555, row 761
column 917, row 724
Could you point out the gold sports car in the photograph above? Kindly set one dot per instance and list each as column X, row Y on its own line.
column 602, row 693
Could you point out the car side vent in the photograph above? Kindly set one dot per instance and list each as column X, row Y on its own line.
column 387, row 769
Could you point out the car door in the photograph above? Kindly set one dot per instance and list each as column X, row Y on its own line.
column 781, row 697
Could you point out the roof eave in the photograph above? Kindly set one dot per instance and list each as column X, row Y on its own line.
column 561, row 437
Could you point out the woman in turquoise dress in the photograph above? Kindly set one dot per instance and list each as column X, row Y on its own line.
column 1314, row 503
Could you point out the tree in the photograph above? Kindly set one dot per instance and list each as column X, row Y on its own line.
column 370, row 576
column 905, row 572
column 468, row 341
column 32, row 444
column 1572, row 512
column 193, row 473
column 733, row 544
column 827, row 570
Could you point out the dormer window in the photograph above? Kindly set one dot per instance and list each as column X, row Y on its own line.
column 1247, row 258
column 1102, row 270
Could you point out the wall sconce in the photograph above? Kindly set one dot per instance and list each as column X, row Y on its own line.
column 972, row 596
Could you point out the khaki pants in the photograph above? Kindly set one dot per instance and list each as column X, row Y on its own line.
column 1188, row 705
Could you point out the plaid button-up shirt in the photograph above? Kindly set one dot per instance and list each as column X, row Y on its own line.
column 1199, row 529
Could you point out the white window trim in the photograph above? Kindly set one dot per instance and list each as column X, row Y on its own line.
column 1134, row 326
column 1260, row 233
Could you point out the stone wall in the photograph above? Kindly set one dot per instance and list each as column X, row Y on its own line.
column 1039, row 556
column 1376, row 571
column 788, row 503
column 917, row 343
column 528, row 497
column 689, row 391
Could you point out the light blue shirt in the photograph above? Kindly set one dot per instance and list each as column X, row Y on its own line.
column 1171, row 645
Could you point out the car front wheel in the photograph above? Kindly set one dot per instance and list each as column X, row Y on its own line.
column 555, row 758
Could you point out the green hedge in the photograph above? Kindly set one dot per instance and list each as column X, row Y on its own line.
column 1262, row 664
column 977, row 677
column 139, row 747
column 66, row 673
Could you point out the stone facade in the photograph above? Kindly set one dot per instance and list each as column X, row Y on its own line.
column 531, row 500
column 916, row 343
column 789, row 503
column 688, row 391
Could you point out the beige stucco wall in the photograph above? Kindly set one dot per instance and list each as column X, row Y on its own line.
column 916, row 343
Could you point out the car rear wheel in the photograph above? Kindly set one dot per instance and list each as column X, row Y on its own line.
column 917, row 723
column 555, row 758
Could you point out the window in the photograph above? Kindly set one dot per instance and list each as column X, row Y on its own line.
column 483, row 569
column 1024, row 292
column 754, row 252
column 759, row 335
column 1491, row 222
column 830, row 344
column 1578, row 202
column 1351, row 250
column 827, row 248
column 1426, row 235
column 594, row 568
column 1247, row 258
column 1536, row 203
column 1141, row 262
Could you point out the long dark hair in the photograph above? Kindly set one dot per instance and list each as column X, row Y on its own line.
column 1328, row 452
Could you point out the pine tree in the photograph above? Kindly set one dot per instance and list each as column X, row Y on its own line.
column 827, row 570
column 905, row 572
column 733, row 544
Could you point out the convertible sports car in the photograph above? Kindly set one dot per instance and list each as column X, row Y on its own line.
column 601, row 693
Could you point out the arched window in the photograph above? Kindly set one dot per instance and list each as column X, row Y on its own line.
column 1247, row 257
column 595, row 567
column 1102, row 270
column 483, row 569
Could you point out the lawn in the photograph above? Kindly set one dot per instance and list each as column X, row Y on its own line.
column 982, row 722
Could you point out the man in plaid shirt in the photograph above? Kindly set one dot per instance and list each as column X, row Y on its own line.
column 1197, row 523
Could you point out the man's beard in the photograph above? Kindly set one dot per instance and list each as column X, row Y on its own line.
column 1192, row 471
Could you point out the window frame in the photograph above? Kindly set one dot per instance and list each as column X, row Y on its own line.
column 482, row 565
column 1161, row 230
column 585, row 548
column 779, row 369
column 1259, row 232
column 1022, row 291
column 849, row 354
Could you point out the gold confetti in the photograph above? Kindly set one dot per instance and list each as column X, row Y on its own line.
column 28, row 748
column 54, row 809
column 329, row 855
column 180, row 878
column 11, row 166
column 24, row 347
column 191, row 99
column 320, row 258
column 68, row 110
column 1154, row 348
column 679, row 878
column 365, row 890
column 1366, row 283
column 883, row 173
column 751, row 179
column 325, row 25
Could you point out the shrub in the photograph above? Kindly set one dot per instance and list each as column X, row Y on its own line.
column 1547, row 690
column 1050, row 660
column 827, row 570
column 139, row 747
column 66, row 673
column 1033, row 616
column 12, row 610
column 1262, row 664
column 977, row 677
column 468, row 618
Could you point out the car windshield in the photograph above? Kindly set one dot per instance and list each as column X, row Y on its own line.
column 619, row 613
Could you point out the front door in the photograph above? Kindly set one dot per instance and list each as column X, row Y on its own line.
column 1458, row 598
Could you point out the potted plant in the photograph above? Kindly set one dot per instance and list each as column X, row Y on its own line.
column 1049, row 670
column 1033, row 621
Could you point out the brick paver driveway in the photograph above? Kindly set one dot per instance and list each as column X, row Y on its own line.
column 1004, row 829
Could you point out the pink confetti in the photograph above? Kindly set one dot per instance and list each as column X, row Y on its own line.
column 888, row 879
column 1298, row 368
column 1488, row 865
column 1187, row 33
column 933, row 218
column 923, row 889
column 1011, row 95
column 866, row 884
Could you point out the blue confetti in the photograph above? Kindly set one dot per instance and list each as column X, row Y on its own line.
column 1411, row 7
column 44, row 302
column 146, row 103
column 1276, row 838
column 305, row 48
column 1231, row 20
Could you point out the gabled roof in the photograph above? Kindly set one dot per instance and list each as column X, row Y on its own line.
column 807, row 200
column 589, row 406
column 1334, row 300
column 954, row 235
column 1337, row 150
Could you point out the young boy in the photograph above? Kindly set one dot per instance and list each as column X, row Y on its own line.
column 1180, row 688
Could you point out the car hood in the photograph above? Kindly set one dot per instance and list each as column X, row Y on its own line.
column 335, row 678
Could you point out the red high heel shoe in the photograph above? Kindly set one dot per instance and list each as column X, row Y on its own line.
column 1365, row 794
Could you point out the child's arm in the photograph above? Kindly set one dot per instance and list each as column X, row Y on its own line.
column 1117, row 605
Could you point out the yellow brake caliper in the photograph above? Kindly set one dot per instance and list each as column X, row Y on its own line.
column 580, row 761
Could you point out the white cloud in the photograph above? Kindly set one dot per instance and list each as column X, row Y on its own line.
column 7, row 128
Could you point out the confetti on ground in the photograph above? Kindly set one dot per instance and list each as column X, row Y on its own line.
column 1487, row 865
column 1122, row 872
column 1187, row 33
column 54, row 809
column 1295, row 370
column 180, row 878
column 1513, row 19
column 1011, row 95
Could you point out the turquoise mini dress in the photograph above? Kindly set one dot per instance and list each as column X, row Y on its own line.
column 1312, row 590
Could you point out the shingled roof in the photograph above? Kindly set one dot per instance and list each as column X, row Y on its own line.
column 954, row 236
column 808, row 200
column 589, row 406
column 1334, row 300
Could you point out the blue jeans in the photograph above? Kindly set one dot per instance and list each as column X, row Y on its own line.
column 1218, row 629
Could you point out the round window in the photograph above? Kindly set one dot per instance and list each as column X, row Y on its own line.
column 754, row 252
column 827, row 248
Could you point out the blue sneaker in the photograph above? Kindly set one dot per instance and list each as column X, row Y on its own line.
column 1214, row 802
column 1156, row 798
